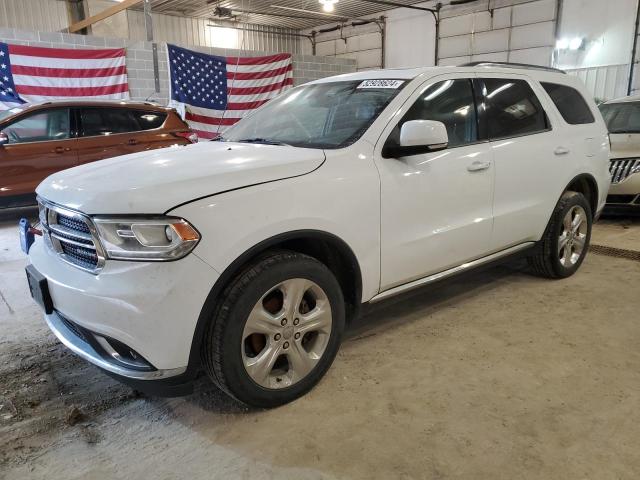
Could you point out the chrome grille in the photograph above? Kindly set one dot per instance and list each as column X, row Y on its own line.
column 621, row 168
column 72, row 236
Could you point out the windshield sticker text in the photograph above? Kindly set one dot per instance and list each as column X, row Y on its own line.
column 381, row 84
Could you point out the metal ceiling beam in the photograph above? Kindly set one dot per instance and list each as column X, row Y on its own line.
column 331, row 15
column 257, row 12
column 401, row 5
column 106, row 13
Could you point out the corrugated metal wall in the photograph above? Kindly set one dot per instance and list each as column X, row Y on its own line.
column 605, row 83
column 523, row 33
column 52, row 15
column 44, row 15
column 196, row 31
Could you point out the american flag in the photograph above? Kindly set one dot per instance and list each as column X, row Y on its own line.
column 34, row 74
column 215, row 92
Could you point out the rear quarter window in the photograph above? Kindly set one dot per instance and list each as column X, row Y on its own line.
column 149, row 120
column 570, row 103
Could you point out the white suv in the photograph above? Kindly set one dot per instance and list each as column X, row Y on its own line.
column 246, row 256
column 622, row 117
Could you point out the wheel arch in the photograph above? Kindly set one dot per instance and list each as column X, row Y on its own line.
column 326, row 247
column 585, row 184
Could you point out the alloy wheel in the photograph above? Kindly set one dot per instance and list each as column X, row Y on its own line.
column 573, row 238
column 286, row 333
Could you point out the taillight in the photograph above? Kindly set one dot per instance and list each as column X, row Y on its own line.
column 191, row 136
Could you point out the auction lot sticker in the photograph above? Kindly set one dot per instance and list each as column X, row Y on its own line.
column 381, row 84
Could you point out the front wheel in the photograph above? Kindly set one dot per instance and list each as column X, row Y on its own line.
column 276, row 330
column 566, row 240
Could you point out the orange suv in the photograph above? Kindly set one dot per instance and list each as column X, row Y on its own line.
column 37, row 140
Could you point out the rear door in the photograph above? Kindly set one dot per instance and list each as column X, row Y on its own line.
column 526, row 154
column 105, row 132
column 40, row 143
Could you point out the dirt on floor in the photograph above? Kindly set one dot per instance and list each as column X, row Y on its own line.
column 494, row 375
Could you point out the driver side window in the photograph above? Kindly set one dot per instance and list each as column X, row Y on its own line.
column 40, row 127
column 450, row 102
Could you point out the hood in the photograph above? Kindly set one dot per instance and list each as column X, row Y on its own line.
column 625, row 145
column 158, row 180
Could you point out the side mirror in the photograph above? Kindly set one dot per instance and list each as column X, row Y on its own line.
column 3, row 139
column 417, row 137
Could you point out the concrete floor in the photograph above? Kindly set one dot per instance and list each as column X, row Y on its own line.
column 498, row 375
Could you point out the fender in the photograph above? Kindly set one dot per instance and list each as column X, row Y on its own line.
column 235, row 267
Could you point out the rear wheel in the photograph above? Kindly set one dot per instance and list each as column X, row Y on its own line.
column 566, row 240
column 276, row 331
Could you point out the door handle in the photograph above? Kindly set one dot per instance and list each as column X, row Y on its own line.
column 478, row 166
column 61, row 150
column 132, row 141
column 561, row 150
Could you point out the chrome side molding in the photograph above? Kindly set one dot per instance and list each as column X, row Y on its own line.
column 447, row 273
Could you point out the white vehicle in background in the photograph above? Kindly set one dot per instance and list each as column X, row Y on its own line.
column 622, row 117
column 247, row 256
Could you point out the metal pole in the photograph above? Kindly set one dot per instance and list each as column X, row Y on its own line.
column 148, row 27
column 556, row 32
column 437, row 42
column 382, row 24
column 633, row 51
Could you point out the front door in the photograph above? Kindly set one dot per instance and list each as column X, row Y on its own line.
column 40, row 143
column 436, row 208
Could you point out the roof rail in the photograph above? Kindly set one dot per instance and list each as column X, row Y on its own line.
column 526, row 66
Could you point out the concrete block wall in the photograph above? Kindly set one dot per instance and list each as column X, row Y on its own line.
column 140, row 59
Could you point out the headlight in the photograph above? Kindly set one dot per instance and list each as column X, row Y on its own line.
column 151, row 239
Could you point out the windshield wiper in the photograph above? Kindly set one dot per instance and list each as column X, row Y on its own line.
column 264, row 141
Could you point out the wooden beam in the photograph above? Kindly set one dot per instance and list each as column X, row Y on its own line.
column 106, row 13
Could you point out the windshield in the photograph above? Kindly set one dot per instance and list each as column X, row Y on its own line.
column 324, row 115
column 622, row 117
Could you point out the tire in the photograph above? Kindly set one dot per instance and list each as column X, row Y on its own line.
column 559, row 254
column 254, row 351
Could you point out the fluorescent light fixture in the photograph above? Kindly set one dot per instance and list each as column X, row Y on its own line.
column 438, row 91
column 302, row 10
column 575, row 43
column 499, row 89
column 570, row 43
column 328, row 5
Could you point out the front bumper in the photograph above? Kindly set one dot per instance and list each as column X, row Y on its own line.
column 79, row 344
column 624, row 196
column 151, row 308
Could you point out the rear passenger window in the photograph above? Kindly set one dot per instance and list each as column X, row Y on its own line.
column 570, row 103
column 512, row 109
column 148, row 120
column 106, row 121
